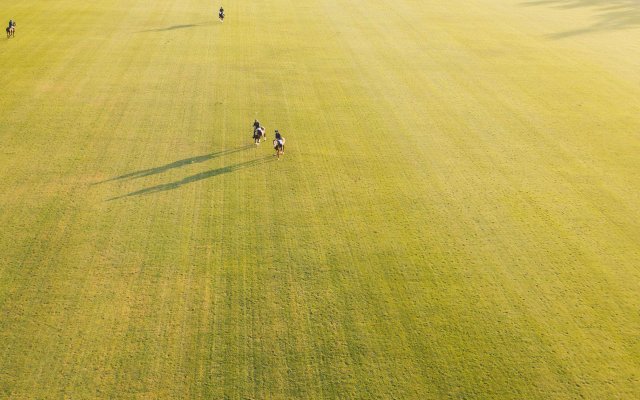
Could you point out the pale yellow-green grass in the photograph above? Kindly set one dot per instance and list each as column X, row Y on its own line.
column 456, row 215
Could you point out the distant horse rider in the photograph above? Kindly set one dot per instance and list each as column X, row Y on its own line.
column 256, row 125
column 11, row 29
column 221, row 14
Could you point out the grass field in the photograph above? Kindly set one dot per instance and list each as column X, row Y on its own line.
column 457, row 215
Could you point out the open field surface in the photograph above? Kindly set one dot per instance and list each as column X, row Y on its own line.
column 457, row 215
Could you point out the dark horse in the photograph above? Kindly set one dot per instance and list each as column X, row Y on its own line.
column 258, row 135
column 11, row 30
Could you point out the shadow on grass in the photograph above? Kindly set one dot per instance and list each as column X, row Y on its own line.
column 612, row 14
column 176, row 164
column 198, row 177
column 176, row 27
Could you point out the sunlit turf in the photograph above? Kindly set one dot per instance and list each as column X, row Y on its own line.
column 456, row 215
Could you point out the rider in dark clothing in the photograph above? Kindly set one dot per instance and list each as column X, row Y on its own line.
column 11, row 23
column 279, row 140
column 221, row 13
column 256, row 124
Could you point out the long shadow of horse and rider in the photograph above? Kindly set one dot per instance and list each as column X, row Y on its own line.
column 177, row 27
column 189, row 179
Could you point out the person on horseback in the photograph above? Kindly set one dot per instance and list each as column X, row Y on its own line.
column 258, row 135
column 11, row 29
column 221, row 13
column 278, row 144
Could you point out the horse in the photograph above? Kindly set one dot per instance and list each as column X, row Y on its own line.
column 11, row 31
column 259, row 134
column 278, row 146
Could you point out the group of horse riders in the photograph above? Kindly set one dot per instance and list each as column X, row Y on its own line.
column 11, row 29
column 259, row 133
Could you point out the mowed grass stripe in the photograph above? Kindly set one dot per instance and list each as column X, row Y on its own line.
column 468, row 173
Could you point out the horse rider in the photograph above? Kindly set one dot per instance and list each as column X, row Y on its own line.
column 257, row 127
column 221, row 13
column 12, row 23
column 258, row 134
column 278, row 141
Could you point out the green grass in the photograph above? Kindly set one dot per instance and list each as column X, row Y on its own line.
column 456, row 216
